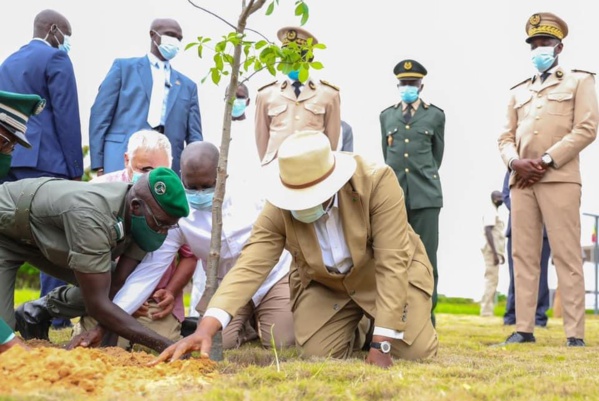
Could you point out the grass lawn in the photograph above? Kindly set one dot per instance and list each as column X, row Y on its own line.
column 467, row 367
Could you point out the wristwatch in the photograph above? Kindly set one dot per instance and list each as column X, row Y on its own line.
column 384, row 346
column 546, row 159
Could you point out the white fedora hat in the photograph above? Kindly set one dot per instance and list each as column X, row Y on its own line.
column 307, row 172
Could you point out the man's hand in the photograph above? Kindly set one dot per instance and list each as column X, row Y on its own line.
column 99, row 172
column 12, row 343
column 91, row 339
column 501, row 259
column 143, row 310
column 376, row 356
column 528, row 171
column 200, row 340
column 498, row 259
column 166, row 303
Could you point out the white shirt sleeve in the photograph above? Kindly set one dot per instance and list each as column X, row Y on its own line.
column 381, row 331
column 223, row 317
column 142, row 282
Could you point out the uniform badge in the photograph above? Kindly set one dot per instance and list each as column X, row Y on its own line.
column 40, row 107
column 291, row 35
column 284, row 85
column 407, row 65
column 160, row 188
column 559, row 74
column 120, row 231
column 534, row 20
column 311, row 85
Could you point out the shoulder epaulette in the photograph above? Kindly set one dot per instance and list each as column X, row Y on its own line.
column 267, row 85
column 523, row 82
column 390, row 107
column 436, row 107
column 587, row 72
column 329, row 84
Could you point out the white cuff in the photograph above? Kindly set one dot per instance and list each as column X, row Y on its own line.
column 223, row 317
column 380, row 331
column 509, row 164
column 10, row 337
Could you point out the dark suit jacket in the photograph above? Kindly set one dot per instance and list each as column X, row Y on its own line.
column 121, row 109
column 55, row 133
column 347, row 137
column 415, row 150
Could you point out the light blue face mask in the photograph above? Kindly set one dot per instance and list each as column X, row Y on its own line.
column 543, row 57
column 65, row 46
column 308, row 215
column 239, row 106
column 293, row 75
column 136, row 177
column 169, row 46
column 200, row 199
column 408, row 93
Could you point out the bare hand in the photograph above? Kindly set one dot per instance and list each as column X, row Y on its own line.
column 501, row 259
column 12, row 343
column 142, row 311
column 166, row 303
column 376, row 357
column 88, row 339
column 528, row 172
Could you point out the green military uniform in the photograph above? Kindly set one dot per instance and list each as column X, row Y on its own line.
column 60, row 227
column 413, row 146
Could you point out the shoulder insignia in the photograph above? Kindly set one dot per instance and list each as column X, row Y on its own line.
column 436, row 107
column 586, row 72
column 329, row 84
column 267, row 85
column 523, row 82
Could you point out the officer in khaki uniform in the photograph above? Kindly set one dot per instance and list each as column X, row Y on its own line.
column 551, row 117
column 413, row 133
column 354, row 254
column 72, row 231
column 291, row 106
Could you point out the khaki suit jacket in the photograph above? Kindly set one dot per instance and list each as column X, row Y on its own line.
column 558, row 117
column 279, row 113
column 387, row 258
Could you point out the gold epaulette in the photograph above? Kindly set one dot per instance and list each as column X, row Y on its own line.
column 267, row 85
column 517, row 85
column 329, row 84
column 587, row 72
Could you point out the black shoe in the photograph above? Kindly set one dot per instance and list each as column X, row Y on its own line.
column 518, row 337
column 575, row 342
column 188, row 326
column 33, row 320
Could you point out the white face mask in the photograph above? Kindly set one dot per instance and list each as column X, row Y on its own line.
column 308, row 215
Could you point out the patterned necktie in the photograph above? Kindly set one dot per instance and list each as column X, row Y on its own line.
column 297, row 88
column 407, row 115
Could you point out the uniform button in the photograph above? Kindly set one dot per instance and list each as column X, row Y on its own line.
column 426, row 132
column 536, row 132
column 408, row 126
column 297, row 117
column 352, row 292
column 407, row 170
column 406, row 140
column 336, row 307
column 297, row 103
column 405, row 155
column 537, row 118
column 434, row 175
column 539, row 106
column 540, row 95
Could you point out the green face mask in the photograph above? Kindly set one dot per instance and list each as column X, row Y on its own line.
column 4, row 164
column 147, row 239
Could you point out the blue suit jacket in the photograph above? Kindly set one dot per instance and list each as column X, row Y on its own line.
column 121, row 109
column 55, row 133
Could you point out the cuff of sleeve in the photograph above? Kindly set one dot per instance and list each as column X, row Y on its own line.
column 223, row 317
column 381, row 331
column 509, row 164
column 12, row 335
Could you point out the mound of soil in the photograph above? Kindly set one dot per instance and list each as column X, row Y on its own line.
column 96, row 372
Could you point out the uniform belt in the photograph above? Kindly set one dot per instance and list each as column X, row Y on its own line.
column 23, row 210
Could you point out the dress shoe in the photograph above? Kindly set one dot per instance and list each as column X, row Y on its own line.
column 33, row 320
column 518, row 337
column 188, row 326
column 575, row 342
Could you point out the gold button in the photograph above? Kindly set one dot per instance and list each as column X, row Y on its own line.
column 536, row 132
column 405, row 155
column 297, row 103
column 426, row 132
column 537, row 118
column 407, row 170
column 539, row 106
column 434, row 175
column 540, row 95
column 297, row 117
column 407, row 140
column 408, row 126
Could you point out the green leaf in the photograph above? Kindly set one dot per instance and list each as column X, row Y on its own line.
column 206, row 40
column 260, row 44
column 271, row 69
column 200, row 48
column 190, row 45
column 220, row 46
column 271, row 8
column 246, row 50
column 218, row 60
column 299, row 9
column 320, row 46
column 228, row 58
column 257, row 65
column 317, row 65
column 305, row 13
column 215, row 76
column 303, row 75
column 248, row 62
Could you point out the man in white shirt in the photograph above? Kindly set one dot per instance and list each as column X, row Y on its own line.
column 270, row 305
column 493, row 252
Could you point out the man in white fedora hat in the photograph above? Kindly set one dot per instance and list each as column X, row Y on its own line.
column 343, row 219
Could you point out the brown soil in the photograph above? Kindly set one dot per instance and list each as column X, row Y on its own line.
column 97, row 373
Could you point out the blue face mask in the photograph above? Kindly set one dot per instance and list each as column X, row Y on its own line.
column 200, row 200
column 169, row 46
column 136, row 177
column 65, row 46
column 293, row 75
column 409, row 94
column 239, row 106
column 543, row 57
column 308, row 215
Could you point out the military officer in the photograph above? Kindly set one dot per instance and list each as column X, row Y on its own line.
column 289, row 106
column 551, row 117
column 73, row 230
column 413, row 140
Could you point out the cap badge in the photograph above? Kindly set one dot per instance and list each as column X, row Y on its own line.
column 39, row 107
column 535, row 20
column 291, row 35
column 407, row 65
column 559, row 74
column 160, row 188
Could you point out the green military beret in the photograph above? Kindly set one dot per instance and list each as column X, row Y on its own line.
column 168, row 191
column 409, row 69
column 15, row 109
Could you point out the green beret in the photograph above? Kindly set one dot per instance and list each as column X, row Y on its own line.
column 409, row 69
column 15, row 109
column 168, row 191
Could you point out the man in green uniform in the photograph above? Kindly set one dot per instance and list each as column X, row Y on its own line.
column 73, row 231
column 413, row 139
column 15, row 109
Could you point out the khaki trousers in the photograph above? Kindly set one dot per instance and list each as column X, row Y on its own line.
column 487, row 303
column 557, row 205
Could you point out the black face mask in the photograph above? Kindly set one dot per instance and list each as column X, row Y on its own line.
column 498, row 203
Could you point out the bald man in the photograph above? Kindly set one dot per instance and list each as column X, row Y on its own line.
column 144, row 93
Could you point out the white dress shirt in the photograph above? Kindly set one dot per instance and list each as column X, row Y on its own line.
column 161, row 78
column 239, row 215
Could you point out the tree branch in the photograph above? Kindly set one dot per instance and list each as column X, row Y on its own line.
column 213, row 14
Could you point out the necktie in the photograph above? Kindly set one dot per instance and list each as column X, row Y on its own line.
column 544, row 76
column 297, row 88
column 407, row 115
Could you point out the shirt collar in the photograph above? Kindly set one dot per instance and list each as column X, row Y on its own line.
column 155, row 61
column 42, row 40
column 414, row 105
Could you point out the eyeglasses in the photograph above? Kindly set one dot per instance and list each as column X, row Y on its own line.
column 7, row 145
column 161, row 226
